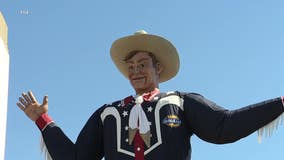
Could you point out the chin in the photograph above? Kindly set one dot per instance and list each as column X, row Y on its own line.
column 138, row 85
column 139, row 88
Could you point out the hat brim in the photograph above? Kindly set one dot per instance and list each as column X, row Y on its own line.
column 161, row 48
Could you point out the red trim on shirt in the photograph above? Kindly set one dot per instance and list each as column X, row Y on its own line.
column 138, row 147
column 128, row 100
column 43, row 121
column 138, row 141
column 282, row 100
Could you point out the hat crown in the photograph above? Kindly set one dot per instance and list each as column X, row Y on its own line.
column 140, row 32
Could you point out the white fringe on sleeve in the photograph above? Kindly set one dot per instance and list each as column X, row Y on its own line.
column 44, row 149
column 268, row 129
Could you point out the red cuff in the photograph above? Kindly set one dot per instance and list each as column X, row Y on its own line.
column 43, row 121
column 282, row 100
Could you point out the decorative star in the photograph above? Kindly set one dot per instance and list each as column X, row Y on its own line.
column 124, row 113
column 126, row 140
column 150, row 109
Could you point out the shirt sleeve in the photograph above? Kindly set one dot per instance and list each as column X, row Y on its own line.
column 215, row 124
column 88, row 146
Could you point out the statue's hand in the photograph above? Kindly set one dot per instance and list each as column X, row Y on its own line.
column 31, row 107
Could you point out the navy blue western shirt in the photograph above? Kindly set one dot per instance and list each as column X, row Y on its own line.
column 174, row 117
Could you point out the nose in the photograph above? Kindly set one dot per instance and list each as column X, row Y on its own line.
column 136, row 69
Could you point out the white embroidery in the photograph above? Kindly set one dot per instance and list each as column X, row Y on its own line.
column 176, row 100
column 170, row 92
column 173, row 99
column 113, row 111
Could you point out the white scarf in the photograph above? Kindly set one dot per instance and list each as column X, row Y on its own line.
column 137, row 117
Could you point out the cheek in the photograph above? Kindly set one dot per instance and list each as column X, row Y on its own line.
column 129, row 75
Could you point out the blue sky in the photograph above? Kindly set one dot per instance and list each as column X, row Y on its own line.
column 231, row 52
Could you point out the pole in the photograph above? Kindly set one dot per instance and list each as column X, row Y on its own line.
column 4, row 79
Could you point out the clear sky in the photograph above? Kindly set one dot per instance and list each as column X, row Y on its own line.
column 231, row 52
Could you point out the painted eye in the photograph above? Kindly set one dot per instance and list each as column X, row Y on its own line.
column 130, row 68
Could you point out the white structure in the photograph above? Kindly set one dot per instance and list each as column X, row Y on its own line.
column 4, row 79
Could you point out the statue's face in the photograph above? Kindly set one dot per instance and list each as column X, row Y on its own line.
column 142, row 73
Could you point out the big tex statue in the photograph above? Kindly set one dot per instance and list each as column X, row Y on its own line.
column 151, row 125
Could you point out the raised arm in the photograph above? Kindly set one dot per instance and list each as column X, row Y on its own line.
column 88, row 145
column 215, row 124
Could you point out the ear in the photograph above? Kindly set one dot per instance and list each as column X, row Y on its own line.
column 159, row 68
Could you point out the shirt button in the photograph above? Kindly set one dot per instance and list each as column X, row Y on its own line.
column 138, row 149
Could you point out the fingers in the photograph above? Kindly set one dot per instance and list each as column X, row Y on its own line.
column 21, row 106
column 32, row 97
column 27, row 98
column 45, row 100
column 23, row 101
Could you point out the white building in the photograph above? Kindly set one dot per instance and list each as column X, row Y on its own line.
column 4, row 79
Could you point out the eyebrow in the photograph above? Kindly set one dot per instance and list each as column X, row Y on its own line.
column 140, row 60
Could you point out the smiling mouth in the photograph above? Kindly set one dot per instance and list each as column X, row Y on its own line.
column 138, row 78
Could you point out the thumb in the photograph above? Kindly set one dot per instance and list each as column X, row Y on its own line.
column 45, row 100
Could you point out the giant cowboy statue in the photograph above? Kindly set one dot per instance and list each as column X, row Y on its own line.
column 152, row 125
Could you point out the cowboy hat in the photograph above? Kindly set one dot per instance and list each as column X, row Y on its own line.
column 162, row 49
